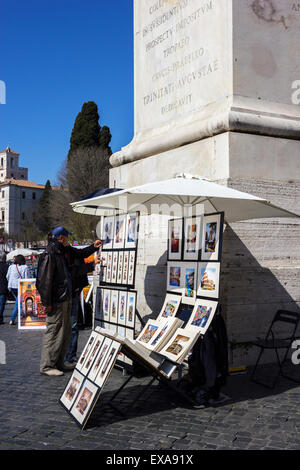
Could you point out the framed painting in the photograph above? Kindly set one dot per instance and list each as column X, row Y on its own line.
column 108, row 232
column 149, row 332
column 202, row 314
column 129, row 333
column 208, row 279
column 99, row 359
column 71, row 391
column 190, row 284
column 131, row 268
column 108, row 363
column 84, row 403
column 120, row 267
column 125, row 268
column 114, row 272
column 130, row 309
column 114, row 304
column 122, row 308
column 192, row 238
column 212, row 237
column 31, row 313
column 132, row 229
column 175, row 276
column 121, row 331
column 170, row 306
column 175, row 234
column 99, row 304
column 109, row 267
column 106, row 304
column 119, row 232
column 180, row 344
column 103, row 266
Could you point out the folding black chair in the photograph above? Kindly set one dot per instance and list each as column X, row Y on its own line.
column 273, row 342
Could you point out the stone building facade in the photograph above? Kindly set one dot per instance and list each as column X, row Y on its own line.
column 19, row 197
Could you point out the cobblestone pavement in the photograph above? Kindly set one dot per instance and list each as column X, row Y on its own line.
column 32, row 418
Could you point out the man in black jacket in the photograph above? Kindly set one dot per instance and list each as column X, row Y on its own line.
column 54, row 283
column 3, row 285
column 79, row 270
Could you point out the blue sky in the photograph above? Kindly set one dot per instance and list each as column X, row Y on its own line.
column 56, row 55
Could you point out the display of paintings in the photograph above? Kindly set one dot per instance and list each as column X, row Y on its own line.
column 131, row 268
column 107, row 364
column 156, row 332
column 115, row 256
column 122, row 308
column 92, row 354
column 31, row 313
column 190, row 284
column 175, row 228
column 202, row 314
column 120, row 267
column 212, row 225
column 208, row 279
column 192, row 238
column 99, row 359
column 130, row 309
column 108, row 232
column 114, row 303
column 180, row 344
column 170, row 306
column 72, row 389
column 86, row 350
column 119, row 236
column 132, row 225
column 84, row 403
column 125, row 267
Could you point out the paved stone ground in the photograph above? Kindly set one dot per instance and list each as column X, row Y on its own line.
column 32, row 418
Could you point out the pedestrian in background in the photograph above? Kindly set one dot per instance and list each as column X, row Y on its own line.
column 16, row 271
column 3, row 284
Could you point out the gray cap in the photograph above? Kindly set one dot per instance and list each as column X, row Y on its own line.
column 2, row 257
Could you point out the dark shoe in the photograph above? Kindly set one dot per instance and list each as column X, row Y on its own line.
column 69, row 366
column 12, row 322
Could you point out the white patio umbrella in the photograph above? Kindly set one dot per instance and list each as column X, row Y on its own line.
column 183, row 190
column 21, row 251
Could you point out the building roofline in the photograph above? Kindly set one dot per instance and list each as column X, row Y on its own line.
column 22, row 183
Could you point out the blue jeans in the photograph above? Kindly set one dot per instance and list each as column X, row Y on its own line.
column 3, row 298
column 71, row 354
column 15, row 310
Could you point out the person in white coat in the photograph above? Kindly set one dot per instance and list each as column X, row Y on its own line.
column 17, row 270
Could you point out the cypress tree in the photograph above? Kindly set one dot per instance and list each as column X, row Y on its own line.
column 86, row 131
column 43, row 214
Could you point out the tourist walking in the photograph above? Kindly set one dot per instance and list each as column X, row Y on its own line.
column 16, row 271
column 3, row 285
